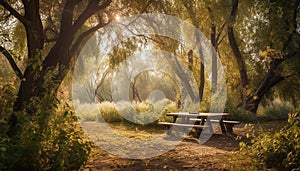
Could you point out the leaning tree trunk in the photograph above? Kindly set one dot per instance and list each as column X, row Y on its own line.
column 271, row 79
column 214, row 69
column 237, row 54
column 233, row 44
column 183, row 77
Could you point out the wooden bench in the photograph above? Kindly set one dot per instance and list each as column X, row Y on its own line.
column 228, row 124
column 184, row 125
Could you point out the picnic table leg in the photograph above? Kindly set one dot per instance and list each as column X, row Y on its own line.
column 198, row 131
column 198, row 122
column 202, row 121
column 222, row 126
column 174, row 119
column 169, row 132
column 185, row 120
column 209, row 126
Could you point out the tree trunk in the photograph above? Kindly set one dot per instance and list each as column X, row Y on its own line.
column 183, row 77
column 270, row 80
column 214, row 69
column 232, row 41
column 135, row 93
column 214, row 50
column 238, row 57
column 202, row 76
column 191, row 60
column 201, row 56
column 41, row 79
column 35, row 42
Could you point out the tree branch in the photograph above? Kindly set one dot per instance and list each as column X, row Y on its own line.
column 142, row 35
column 219, row 34
column 221, row 40
column 13, row 12
column 271, row 78
column 91, row 9
column 99, row 85
column 67, row 16
column 84, row 35
column 12, row 63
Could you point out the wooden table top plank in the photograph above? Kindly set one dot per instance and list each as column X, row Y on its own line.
column 201, row 114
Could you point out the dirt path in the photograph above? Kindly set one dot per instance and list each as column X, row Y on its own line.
column 213, row 155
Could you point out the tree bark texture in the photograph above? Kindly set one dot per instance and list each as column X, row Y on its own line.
column 234, row 46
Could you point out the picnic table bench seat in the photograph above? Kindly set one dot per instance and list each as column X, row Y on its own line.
column 227, row 123
column 198, row 128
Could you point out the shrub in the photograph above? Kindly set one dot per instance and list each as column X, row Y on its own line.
column 86, row 111
column 46, row 137
column 280, row 150
column 157, row 109
column 50, row 139
column 4, row 145
column 144, row 113
column 171, row 107
column 276, row 111
column 64, row 147
column 7, row 97
column 109, row 112
column 239, row 114
column 143, row 106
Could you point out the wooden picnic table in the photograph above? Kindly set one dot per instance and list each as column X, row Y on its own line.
column 200, row 120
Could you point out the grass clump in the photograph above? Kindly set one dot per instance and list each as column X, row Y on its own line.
column 109, row 112
column 171, row 107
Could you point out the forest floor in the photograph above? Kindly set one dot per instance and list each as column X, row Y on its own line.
column 218, row 153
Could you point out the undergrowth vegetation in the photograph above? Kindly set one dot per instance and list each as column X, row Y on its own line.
column 144, row 112
column 51, row 139
column 279, row 150
column 277, row 110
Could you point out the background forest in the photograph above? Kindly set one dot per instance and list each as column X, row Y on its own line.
column 256, row 41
